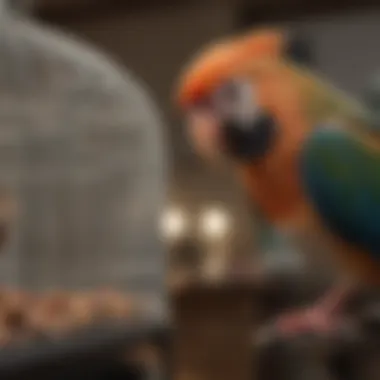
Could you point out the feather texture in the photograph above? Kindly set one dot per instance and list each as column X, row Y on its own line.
column 341, row 175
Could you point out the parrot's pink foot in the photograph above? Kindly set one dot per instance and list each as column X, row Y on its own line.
column 325, row 317
column 313, row 320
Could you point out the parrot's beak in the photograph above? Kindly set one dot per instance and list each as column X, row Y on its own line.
column 249, row 140
column 215, row 140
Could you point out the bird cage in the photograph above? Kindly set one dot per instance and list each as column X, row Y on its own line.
column 81, row 167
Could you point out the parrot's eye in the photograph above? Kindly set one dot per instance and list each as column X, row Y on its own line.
column 235, row 100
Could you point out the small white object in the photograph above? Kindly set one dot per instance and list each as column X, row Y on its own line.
column 174, row 223
column 215, row 223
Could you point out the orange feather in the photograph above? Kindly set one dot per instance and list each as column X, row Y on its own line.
column 224, row 60
column 274, row 182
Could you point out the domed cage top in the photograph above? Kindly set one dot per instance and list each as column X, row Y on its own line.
column 81, row 168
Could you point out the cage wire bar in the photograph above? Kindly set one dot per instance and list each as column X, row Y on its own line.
column 82, row 156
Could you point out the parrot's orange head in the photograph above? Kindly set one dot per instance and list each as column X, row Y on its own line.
column 234, row 92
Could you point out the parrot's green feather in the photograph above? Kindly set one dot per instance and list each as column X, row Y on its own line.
column 342, row 178
column 340, row 165
column 324, row 102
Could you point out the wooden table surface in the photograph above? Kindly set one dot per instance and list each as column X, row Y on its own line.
column 213, row 332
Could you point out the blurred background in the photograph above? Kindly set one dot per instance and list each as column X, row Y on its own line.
column 156, row 39
column 206, row 229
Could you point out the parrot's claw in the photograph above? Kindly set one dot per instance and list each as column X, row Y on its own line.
column 313, row 320
column 323, row 318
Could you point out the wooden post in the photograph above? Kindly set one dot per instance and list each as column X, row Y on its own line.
column 213, row 333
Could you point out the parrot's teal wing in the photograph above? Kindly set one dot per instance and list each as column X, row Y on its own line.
column 341, row 175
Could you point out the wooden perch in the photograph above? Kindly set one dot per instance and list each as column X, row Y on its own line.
column 207, row 316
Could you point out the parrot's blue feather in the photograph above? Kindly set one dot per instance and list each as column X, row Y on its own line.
column 275, row 247
column 341, row 176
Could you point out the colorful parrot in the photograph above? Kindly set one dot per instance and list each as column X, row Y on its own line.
column 308, row 155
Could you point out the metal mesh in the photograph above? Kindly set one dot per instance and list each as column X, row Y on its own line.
column 81, row 153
